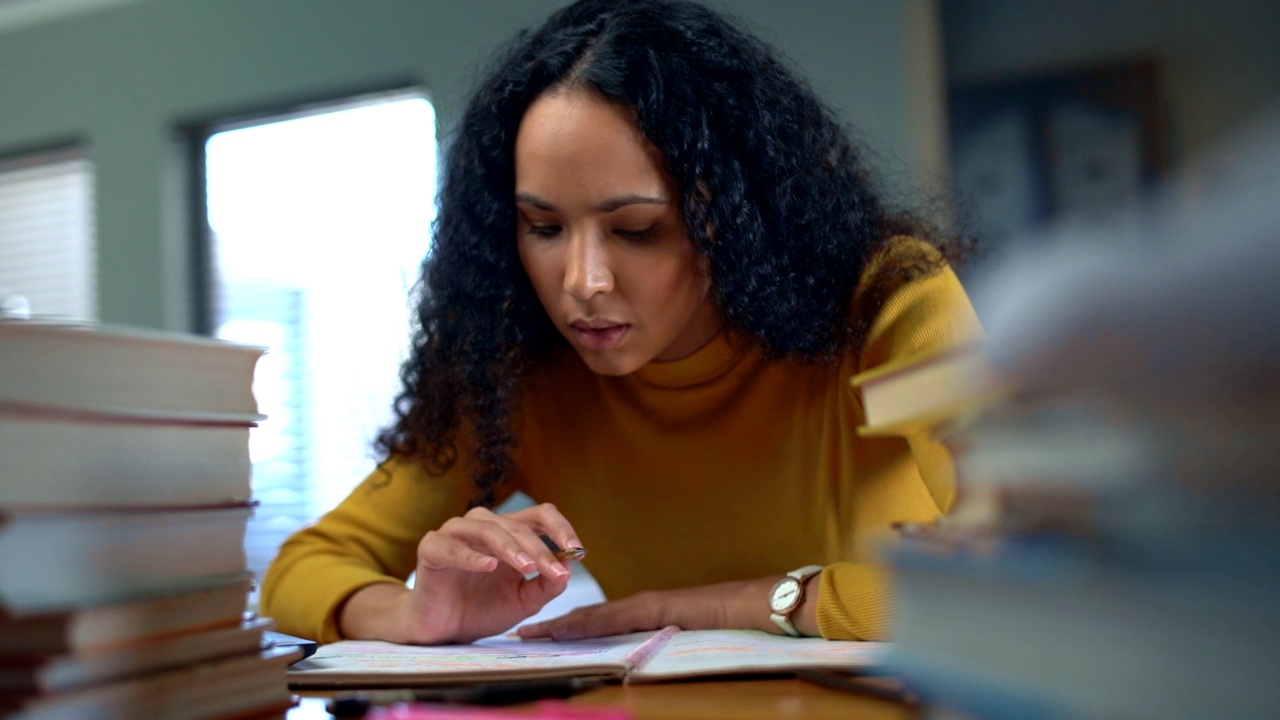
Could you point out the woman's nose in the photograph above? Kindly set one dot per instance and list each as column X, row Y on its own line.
column 587, row 272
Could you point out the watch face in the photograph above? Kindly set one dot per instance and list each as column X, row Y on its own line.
column 785, row 595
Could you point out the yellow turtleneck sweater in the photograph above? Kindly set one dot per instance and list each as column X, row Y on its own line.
column 716, row 467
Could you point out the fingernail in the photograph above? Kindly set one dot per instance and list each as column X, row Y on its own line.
column 524, row 559
column 559, row 570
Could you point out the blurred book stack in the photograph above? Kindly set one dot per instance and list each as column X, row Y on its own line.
column 1114, row 551
column 124, row 499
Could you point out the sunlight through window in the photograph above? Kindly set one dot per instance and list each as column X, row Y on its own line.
column 318, row 224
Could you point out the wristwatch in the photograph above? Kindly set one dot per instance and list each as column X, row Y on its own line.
column 786, row 596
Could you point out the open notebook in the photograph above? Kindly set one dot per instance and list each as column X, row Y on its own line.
column 667, row 654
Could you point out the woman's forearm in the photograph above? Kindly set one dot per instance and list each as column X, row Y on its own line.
column 374, row 612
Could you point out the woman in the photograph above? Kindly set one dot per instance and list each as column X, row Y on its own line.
column 657, row 264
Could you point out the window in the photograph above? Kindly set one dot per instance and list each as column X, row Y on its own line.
column 47, row 258
column 317, row 225
column 1057, row 149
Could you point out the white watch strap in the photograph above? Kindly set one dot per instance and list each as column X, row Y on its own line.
column 800, row 574
column 805, row 572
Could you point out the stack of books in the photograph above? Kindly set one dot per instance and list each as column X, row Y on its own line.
column 1114, row 551
column 124, row 499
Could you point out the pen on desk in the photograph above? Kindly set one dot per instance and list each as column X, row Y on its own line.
column 495, row 693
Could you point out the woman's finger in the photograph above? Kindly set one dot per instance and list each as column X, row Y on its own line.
column 506, row 539
column 536, row 593
column 443, row 551
column 573, row 626
column 534, row 631
column 548, row 519
column 475, row 541
column 516, row 540
column 534, row 547
column 609, row 618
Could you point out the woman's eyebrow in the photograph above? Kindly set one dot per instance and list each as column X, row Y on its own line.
column 624, row 200
column 604, row 206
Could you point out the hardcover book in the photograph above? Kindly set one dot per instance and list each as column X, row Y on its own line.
column 125, row 371
column 58, row 560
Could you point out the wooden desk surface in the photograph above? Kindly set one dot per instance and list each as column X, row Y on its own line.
column 718, row 700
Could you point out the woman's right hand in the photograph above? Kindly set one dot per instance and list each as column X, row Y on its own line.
column 470, row 580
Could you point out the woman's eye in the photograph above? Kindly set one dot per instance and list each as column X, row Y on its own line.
column 544, row 230
column 635, row 235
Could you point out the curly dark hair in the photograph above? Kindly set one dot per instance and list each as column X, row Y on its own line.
column 774, row 196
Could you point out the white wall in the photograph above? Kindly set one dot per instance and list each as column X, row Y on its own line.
column 124, row 77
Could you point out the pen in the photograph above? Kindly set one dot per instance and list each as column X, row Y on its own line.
column 564, row 554
column 494, row 693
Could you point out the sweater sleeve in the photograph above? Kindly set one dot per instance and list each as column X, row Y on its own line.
column 371, row 537
column 855, row 600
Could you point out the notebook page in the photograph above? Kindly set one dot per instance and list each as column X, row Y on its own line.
column 693, row 653
column 364, row 663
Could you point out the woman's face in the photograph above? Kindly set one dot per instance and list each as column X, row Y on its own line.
column 602, row 238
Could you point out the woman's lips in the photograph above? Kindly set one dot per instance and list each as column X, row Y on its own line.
column 605, row 337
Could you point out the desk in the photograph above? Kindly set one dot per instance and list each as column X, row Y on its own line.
column 714, row 700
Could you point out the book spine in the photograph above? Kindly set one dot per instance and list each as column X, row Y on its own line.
column 648, row 649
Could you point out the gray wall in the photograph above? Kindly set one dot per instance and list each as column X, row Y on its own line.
column 1220, row 58
column 123, row 77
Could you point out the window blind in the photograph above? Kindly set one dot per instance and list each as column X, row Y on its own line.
column 47, row 241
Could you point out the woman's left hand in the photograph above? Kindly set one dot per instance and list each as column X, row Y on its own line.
column 741, row 604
